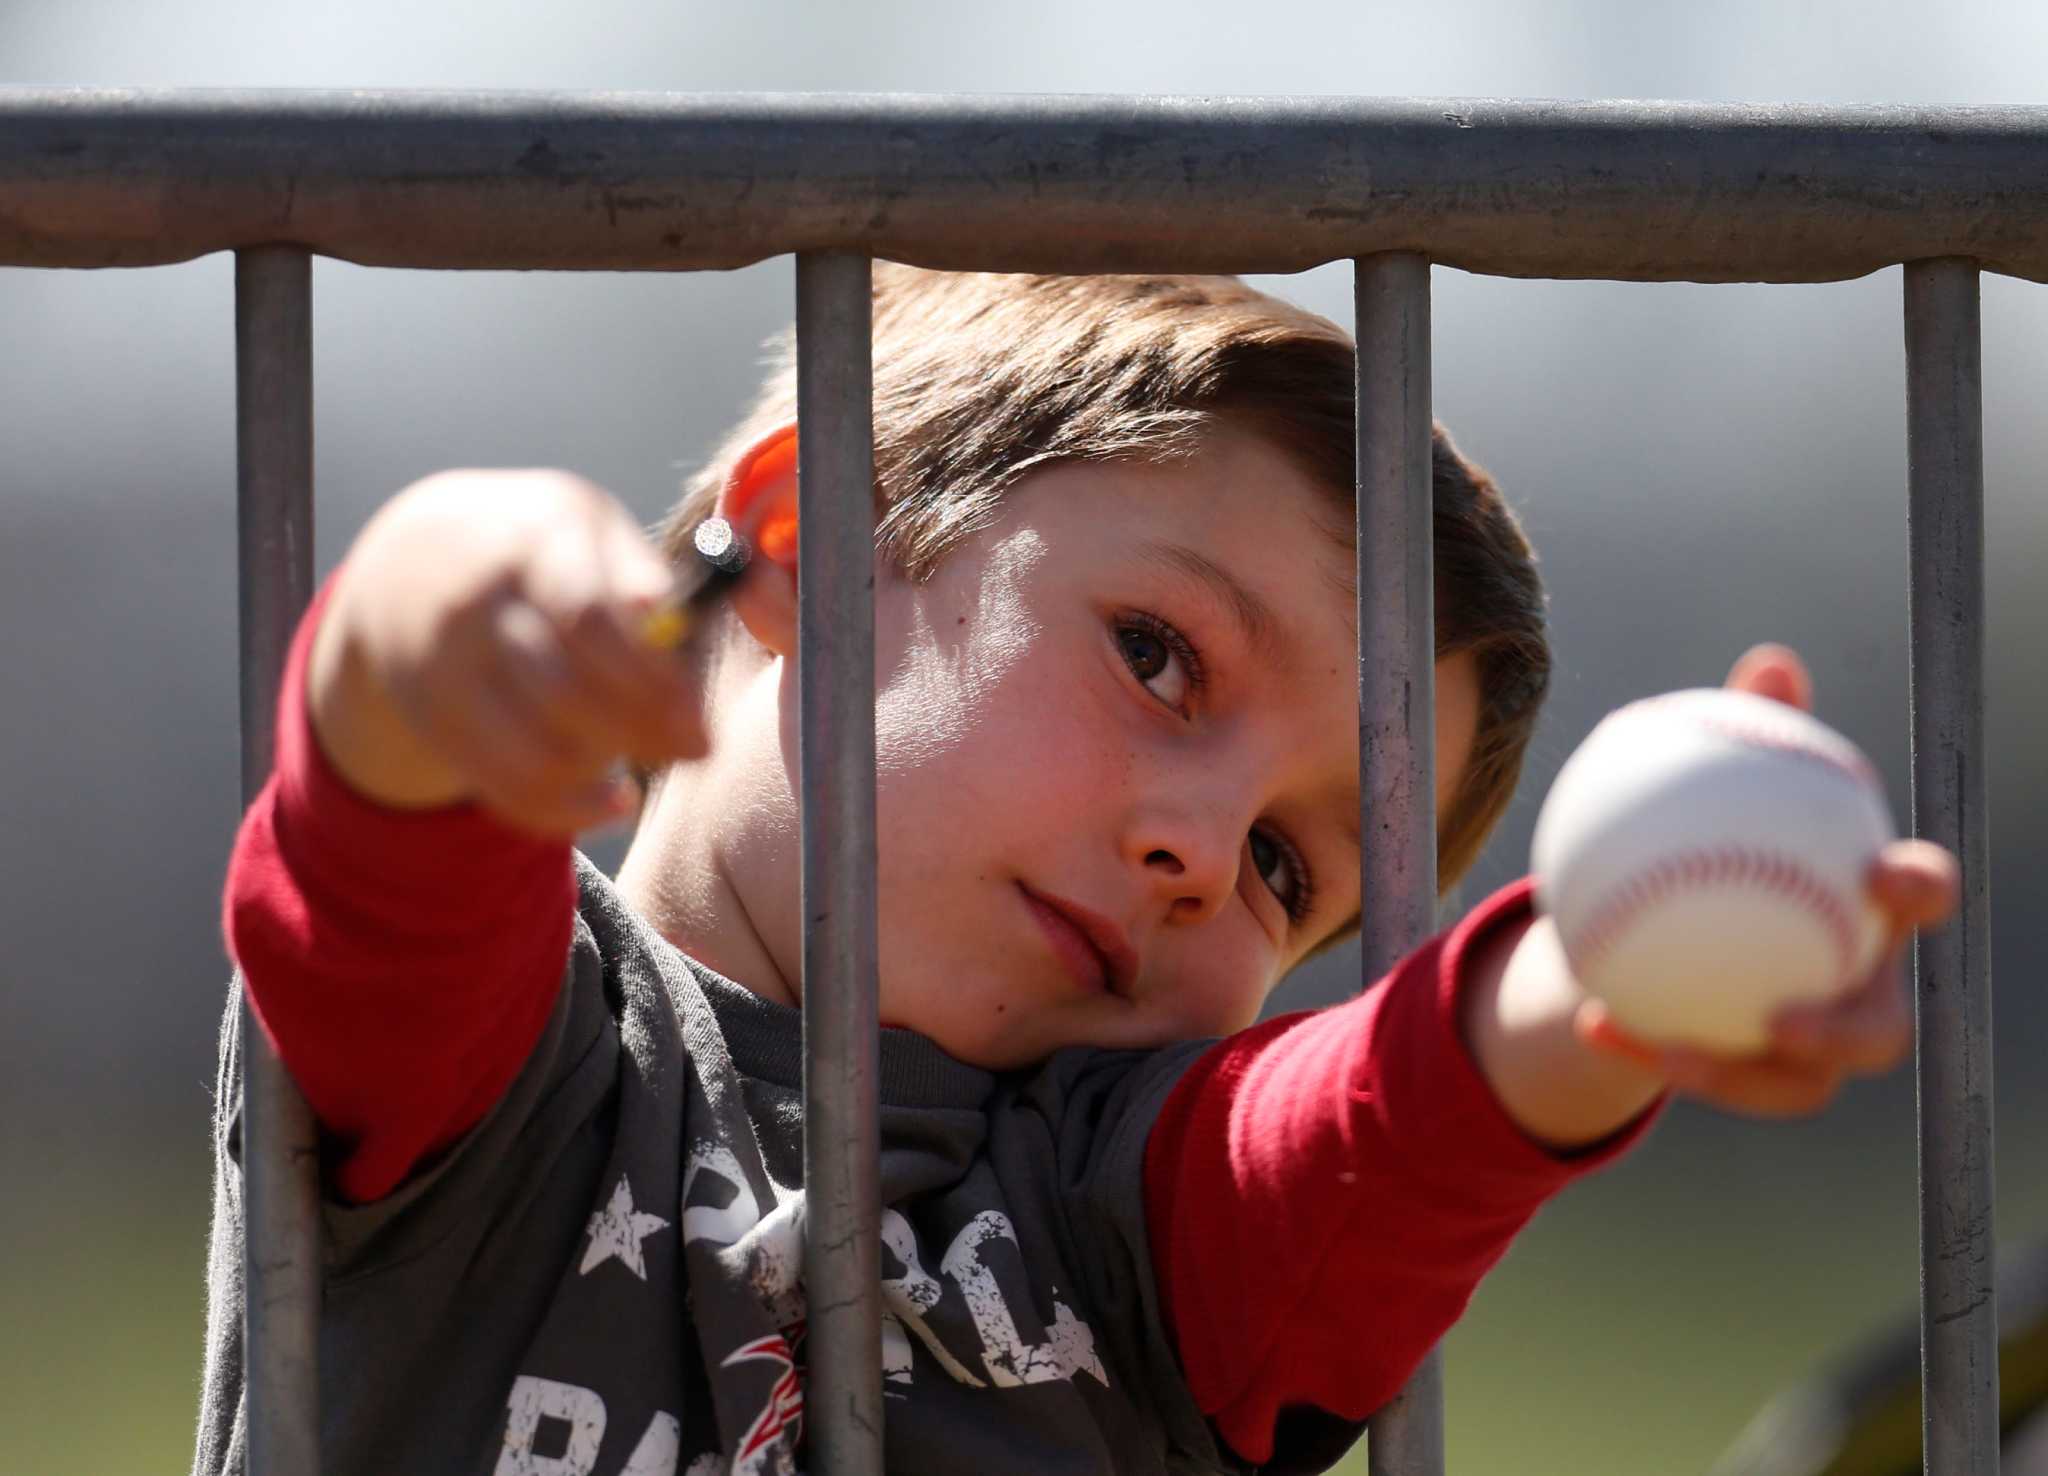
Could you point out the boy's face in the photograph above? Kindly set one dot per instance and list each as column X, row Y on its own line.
column 1117, row 745
column 1117, row 765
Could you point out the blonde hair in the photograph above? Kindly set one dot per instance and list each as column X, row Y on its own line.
column 979, row 378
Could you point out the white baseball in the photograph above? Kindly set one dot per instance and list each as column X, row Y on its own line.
column 1705, row 855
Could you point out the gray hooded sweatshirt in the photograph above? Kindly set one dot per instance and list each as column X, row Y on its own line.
column 603, row 1277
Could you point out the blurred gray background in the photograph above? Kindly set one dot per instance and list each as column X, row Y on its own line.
column 1700, row 467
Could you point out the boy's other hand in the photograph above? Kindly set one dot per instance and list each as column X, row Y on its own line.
column 481, row 643
column 1814, row 1048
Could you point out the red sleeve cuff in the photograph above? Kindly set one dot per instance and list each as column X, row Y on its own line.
column 402, row 963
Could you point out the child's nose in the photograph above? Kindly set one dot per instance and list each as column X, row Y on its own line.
column 1188, row 867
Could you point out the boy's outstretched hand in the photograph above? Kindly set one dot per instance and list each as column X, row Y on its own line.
column 482, row 643
column 1814, row 1048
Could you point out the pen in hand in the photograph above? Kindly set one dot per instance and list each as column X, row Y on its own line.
column 722, row 556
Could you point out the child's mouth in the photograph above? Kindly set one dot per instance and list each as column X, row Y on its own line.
column 1091, row 947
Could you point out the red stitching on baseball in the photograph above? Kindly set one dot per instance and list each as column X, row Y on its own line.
column 1759, row 734
column 1733, row 866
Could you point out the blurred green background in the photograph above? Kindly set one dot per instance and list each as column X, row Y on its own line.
column 1700, row 468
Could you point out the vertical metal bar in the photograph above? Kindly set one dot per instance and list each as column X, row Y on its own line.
column 1397, row 705
column 280, row 1164
column 1952, row 968
column 836, row 718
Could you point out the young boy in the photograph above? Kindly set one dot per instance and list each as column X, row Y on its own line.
column 1117, row 769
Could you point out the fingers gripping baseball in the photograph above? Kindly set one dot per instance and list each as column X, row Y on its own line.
column 1866, row 1033
column 1758, row 847
column 1814, row 1049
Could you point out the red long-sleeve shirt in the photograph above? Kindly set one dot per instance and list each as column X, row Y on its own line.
column 1324, row 1190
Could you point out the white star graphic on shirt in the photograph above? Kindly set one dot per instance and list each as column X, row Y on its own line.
column 617, row 1230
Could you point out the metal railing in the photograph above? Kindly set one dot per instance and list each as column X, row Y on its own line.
column 1628, row 191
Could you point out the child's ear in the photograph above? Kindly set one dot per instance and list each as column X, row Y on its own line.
column 759, row 500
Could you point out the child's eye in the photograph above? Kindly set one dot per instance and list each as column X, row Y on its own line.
column 1281, row 868
column 1160, row 658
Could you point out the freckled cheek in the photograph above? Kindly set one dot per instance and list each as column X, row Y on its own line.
column 1048, row 728
column 968, row 740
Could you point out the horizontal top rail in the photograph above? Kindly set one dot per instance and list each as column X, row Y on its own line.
column 1649, row 191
